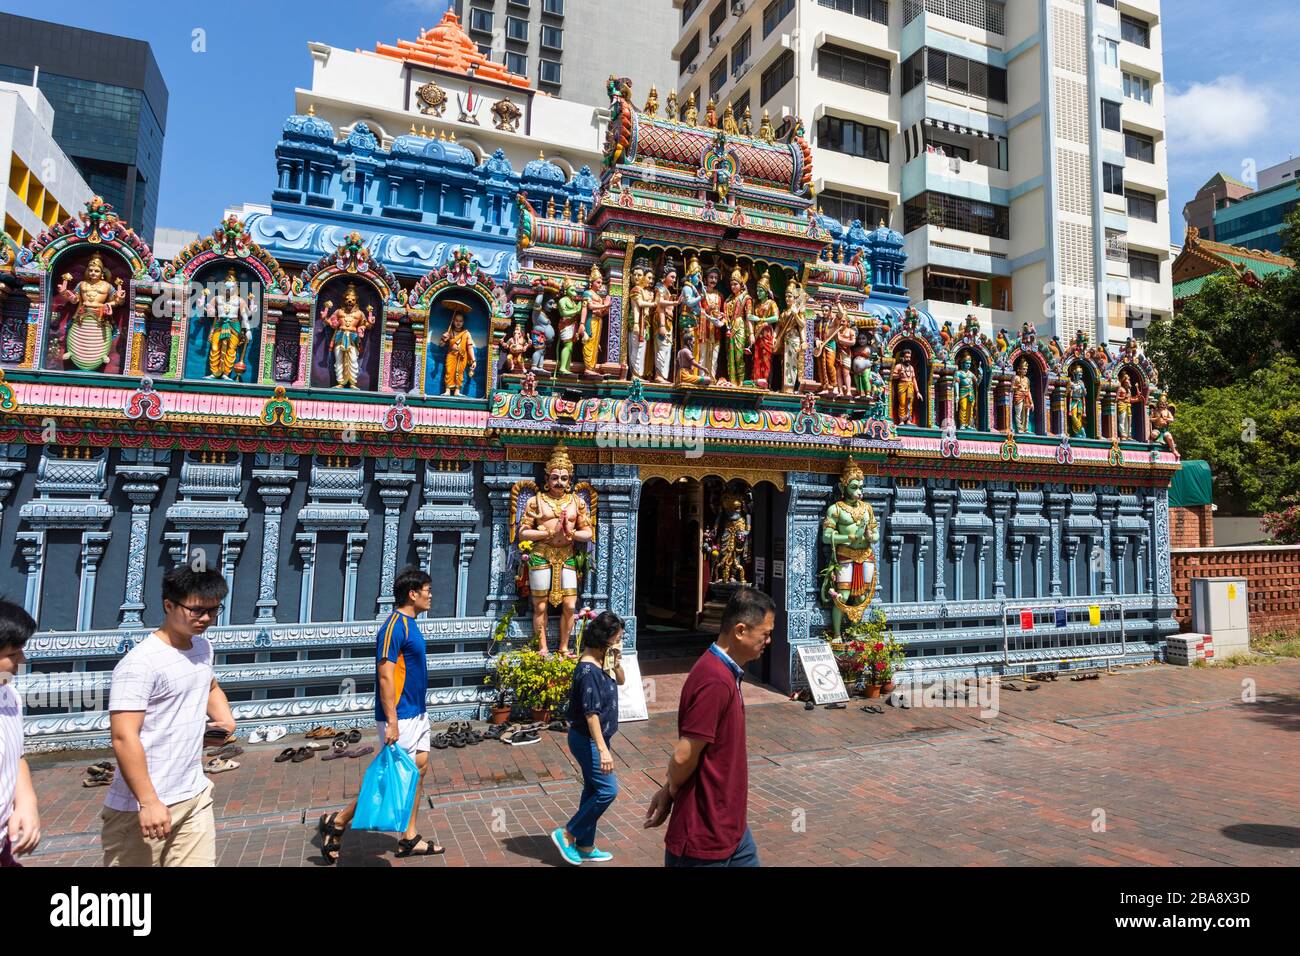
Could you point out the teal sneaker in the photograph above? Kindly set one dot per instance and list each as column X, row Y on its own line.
column 595, row 855
column 567, row 849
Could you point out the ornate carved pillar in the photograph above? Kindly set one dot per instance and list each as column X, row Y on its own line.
column 468, row 542
column 1108, row 508
column 31, row 545
column 1056, row 505
column 499, row 478
column 1071, row 550
column 1002, row 502
column 140, row 475
column 275, row 475
column 894, row 548
column 809, row 496
column 1119, row 549
column 1162, row 573
column 93, row 544
column 232, row 546
column 922, row 545
column 448, row 507
column 356, row 544
column 943, row 500
column 958, row 555
column 619, row 487
column 1016, row 546
column 395, row 479
column 306, row 544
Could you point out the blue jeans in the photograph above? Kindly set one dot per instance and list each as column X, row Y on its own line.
column 598, row 790
column 746, row 854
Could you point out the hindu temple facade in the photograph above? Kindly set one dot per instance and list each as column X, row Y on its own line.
column 374, row 371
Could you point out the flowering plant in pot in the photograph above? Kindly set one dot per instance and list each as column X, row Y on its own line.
column 503, row 698
column 869, row 655
column 539, row 683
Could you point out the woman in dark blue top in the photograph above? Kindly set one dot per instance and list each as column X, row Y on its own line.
column 593, row 720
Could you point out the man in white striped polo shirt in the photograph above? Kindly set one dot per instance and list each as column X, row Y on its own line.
column 20, row 823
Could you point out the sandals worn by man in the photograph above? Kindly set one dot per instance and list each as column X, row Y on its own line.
column 331, row 837
column 409, row 847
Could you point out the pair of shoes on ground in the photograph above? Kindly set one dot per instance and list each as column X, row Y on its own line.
column 459, row 734
column 520, row 735
column 228, row 751
column 571, row 854
column 99, row 774
column 268, row 734
column 296, row 754
column 321, row 733
column 339, row 749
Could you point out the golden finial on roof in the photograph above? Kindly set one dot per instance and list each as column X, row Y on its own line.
column 442, row 136
column 747, row 124
column 652, row 102
column 452, row 137
column 692, row 114
column 672, row 107
column 765, row 130
column 311, row 109
column 568, row 208
column 424, row 130
column 541, row 154
column 729, row 124
column 413, row 132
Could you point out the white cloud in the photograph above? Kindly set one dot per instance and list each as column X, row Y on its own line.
column 1222, row 114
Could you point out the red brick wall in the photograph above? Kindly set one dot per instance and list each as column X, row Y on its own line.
column 1192, row 527
column 1272, row 575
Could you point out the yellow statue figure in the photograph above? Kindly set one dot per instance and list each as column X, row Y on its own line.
column 671, row 111
column 230, row 327
column 460, row 350
column 733, row 540
column 692, row 114
column 595, row 309
column 729, row 124
column 350, row 325
column 766, row 132
column 905, row 391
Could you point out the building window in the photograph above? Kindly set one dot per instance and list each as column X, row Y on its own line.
column 740, row 52
column 741, row 104
column 856, row 139
column 1110, row 116
column 877, row 10
column 554, row 7
column 519, row 3
column 486, row 50
column 688, row 8
column 956, row 212
column 1133, row 30
column 689, row 53
column 983, row 14
column 776, row 76
column 1141, row 205
column 1139, row 146
column 517, row 63
column 1137, row 88
column 846, row 207
column 516, row 29
column 857, row 69
column 1116, row 246
column 717, row 16
column 1112, row 179
column 549, row 72
column 1144, row 266
column 774, row 13
column 955, row 73
column 480, row 20
column 552, row 37
column 1109, row 52
column 717, row 78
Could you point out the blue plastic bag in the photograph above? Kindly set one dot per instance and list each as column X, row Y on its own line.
column 387, row 792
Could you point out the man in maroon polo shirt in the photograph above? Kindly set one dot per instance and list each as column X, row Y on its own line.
column 708, row 777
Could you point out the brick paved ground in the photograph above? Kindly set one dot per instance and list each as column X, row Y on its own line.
column 1184, row 771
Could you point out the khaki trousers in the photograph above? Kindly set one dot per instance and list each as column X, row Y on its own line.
column 192, row 842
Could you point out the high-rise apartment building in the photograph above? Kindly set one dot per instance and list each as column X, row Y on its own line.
column 570, row 48
column 1018, row 145
column 110, row 107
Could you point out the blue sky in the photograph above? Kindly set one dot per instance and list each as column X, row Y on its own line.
column 1229, row 69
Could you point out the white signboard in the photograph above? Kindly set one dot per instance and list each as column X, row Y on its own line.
column 631, row 696
column 823, row 673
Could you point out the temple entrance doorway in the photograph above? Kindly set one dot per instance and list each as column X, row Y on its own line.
column 699, row 537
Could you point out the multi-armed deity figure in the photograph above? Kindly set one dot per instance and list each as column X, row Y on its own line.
column 461, row 363
column 556, row 521
column 966, row 385
column 903, row 380
column 595, row 310
column 514, row 351
column 666, row 301
column 737, row 316
column 1078, row 404
column 732, row 535
column 350, row 325
column 789, row 337
column 850, row 529
column 763, row 331
column 570, row 307
column 1124, row 407
column 231, row 315
column 90, row 330
column 1022, row 398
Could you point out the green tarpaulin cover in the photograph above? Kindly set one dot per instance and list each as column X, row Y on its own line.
column 1193, row 485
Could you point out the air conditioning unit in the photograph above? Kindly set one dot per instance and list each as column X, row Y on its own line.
column 738, row 8
column 740, row 71
column 714, row 41
column 692, row 69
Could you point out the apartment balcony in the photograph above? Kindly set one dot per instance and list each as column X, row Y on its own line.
column 956, row 313
column 939, row 172
column 1149, row 236
column 956, row 249
column 834, row 26
column 1147, row 9
column 1149, row 177
column 842, row 171
column 1141, row 59
column 1145, row 296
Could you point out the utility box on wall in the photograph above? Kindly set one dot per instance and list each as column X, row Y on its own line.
column 1221, row 609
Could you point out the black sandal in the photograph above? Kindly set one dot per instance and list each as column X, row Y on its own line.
column 408, row 847
column 286, row 754
column 440, row 742
column 354, row 737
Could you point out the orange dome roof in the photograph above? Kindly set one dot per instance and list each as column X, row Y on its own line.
column 448, row 47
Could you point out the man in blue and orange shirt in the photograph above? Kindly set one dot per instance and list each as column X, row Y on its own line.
column 401, row 680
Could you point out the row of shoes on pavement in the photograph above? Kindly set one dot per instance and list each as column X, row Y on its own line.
column 338, row 747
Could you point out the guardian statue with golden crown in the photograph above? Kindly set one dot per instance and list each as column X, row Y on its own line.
column 849, row 581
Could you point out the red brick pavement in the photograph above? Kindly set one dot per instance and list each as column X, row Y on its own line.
column 1171, row 760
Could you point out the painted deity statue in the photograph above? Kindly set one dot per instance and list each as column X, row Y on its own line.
column 689, row 369
column 1124, row 407
column 90, row 330
column 666, row 301
column 231, row 314
column 1162, row 419
column 543, row 334
column 733, row 540
column 846, row 337
column 556, row 521
column 737, row 315
column 789, row 337
column 350, row 325
column 763, row 331
column 640, row 311
column 860, row 364
column 1078, row 404
column 1022, row 398
column 514, row 352
column 967, row 391
column 903, row 381
column 711, row 323
column 824, row 351
column 850, row 529
column 595, row 312
column 460, row 364
column 877, row 394
column 692, row 299
column 570, row 308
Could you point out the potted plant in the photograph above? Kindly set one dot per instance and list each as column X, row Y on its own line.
column 868, row 655
column 503, row 698
column 539, row 683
